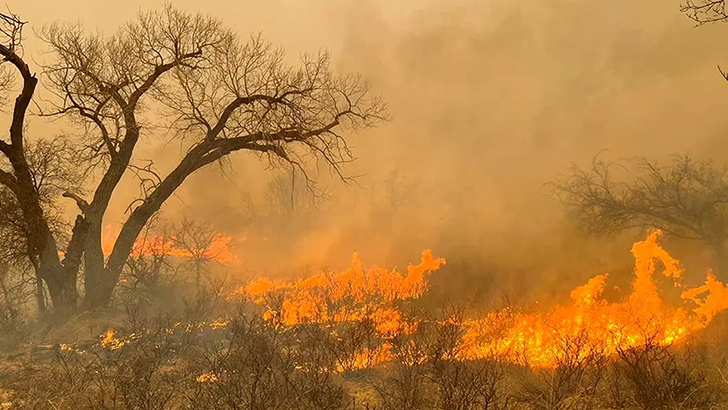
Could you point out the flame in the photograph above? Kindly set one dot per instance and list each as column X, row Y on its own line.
column 353, row 295
column 207, row 378
column 218, row 250
column 110, row 341
column 591, row 325
column 586, row 326
column 219, row 324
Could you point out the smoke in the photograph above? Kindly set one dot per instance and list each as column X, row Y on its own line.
column 490, row 101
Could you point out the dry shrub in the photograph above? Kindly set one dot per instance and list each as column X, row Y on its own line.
column 428, row 372
column 140, row 375
column 266, row 367
column 655, row 377
column 463, row 385
column 176, row 362
column 573, row 384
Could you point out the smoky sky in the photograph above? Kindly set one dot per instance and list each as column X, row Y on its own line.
column 490, row 100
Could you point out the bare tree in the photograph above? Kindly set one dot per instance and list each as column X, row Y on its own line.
column 705, row 11
column 687, row 199
column 13, row 296
column 220, row 94
column 51, row 175
column 287, row 193
column 28, row 227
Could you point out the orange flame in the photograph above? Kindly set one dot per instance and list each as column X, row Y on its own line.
column 587, row 325
column 218, row 250
column 542, row 339
column 351, row 295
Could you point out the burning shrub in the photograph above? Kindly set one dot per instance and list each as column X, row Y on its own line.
column 322, row 341
column 463, row 384
column 572, row 384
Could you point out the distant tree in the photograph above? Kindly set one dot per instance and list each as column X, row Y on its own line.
column 686, row 198
column 705, row 11
column 217, row 95
column 288, row 194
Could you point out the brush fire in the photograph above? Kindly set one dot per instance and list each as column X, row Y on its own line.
column 587, row 325
column 536, row 339
column 177, row 195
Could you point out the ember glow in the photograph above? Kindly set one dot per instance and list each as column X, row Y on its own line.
column 218, row 250
column 585, row 326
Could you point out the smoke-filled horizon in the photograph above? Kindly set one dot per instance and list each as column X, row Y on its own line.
column 490, row 100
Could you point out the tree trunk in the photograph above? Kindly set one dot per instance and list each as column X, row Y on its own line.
column 93, row 264
column 101, row 280
column 100, row 288
column 61, row 277
column 99, row 294
column 63, row 294
column 61, row 284
column 40, row 297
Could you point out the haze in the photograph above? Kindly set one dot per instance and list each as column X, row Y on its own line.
column 490, row 100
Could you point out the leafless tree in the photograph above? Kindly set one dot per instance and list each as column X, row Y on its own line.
column 197, row 240
column 149, row 268
column 51, row 174
column 705, row 11
column 14, row 293
column 687, row 199
column 288, row 193
column 218, row 94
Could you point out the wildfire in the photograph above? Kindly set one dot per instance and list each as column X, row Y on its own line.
column 353, row 295
column 587, row 326
column 590, row 325
column 111, row 342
